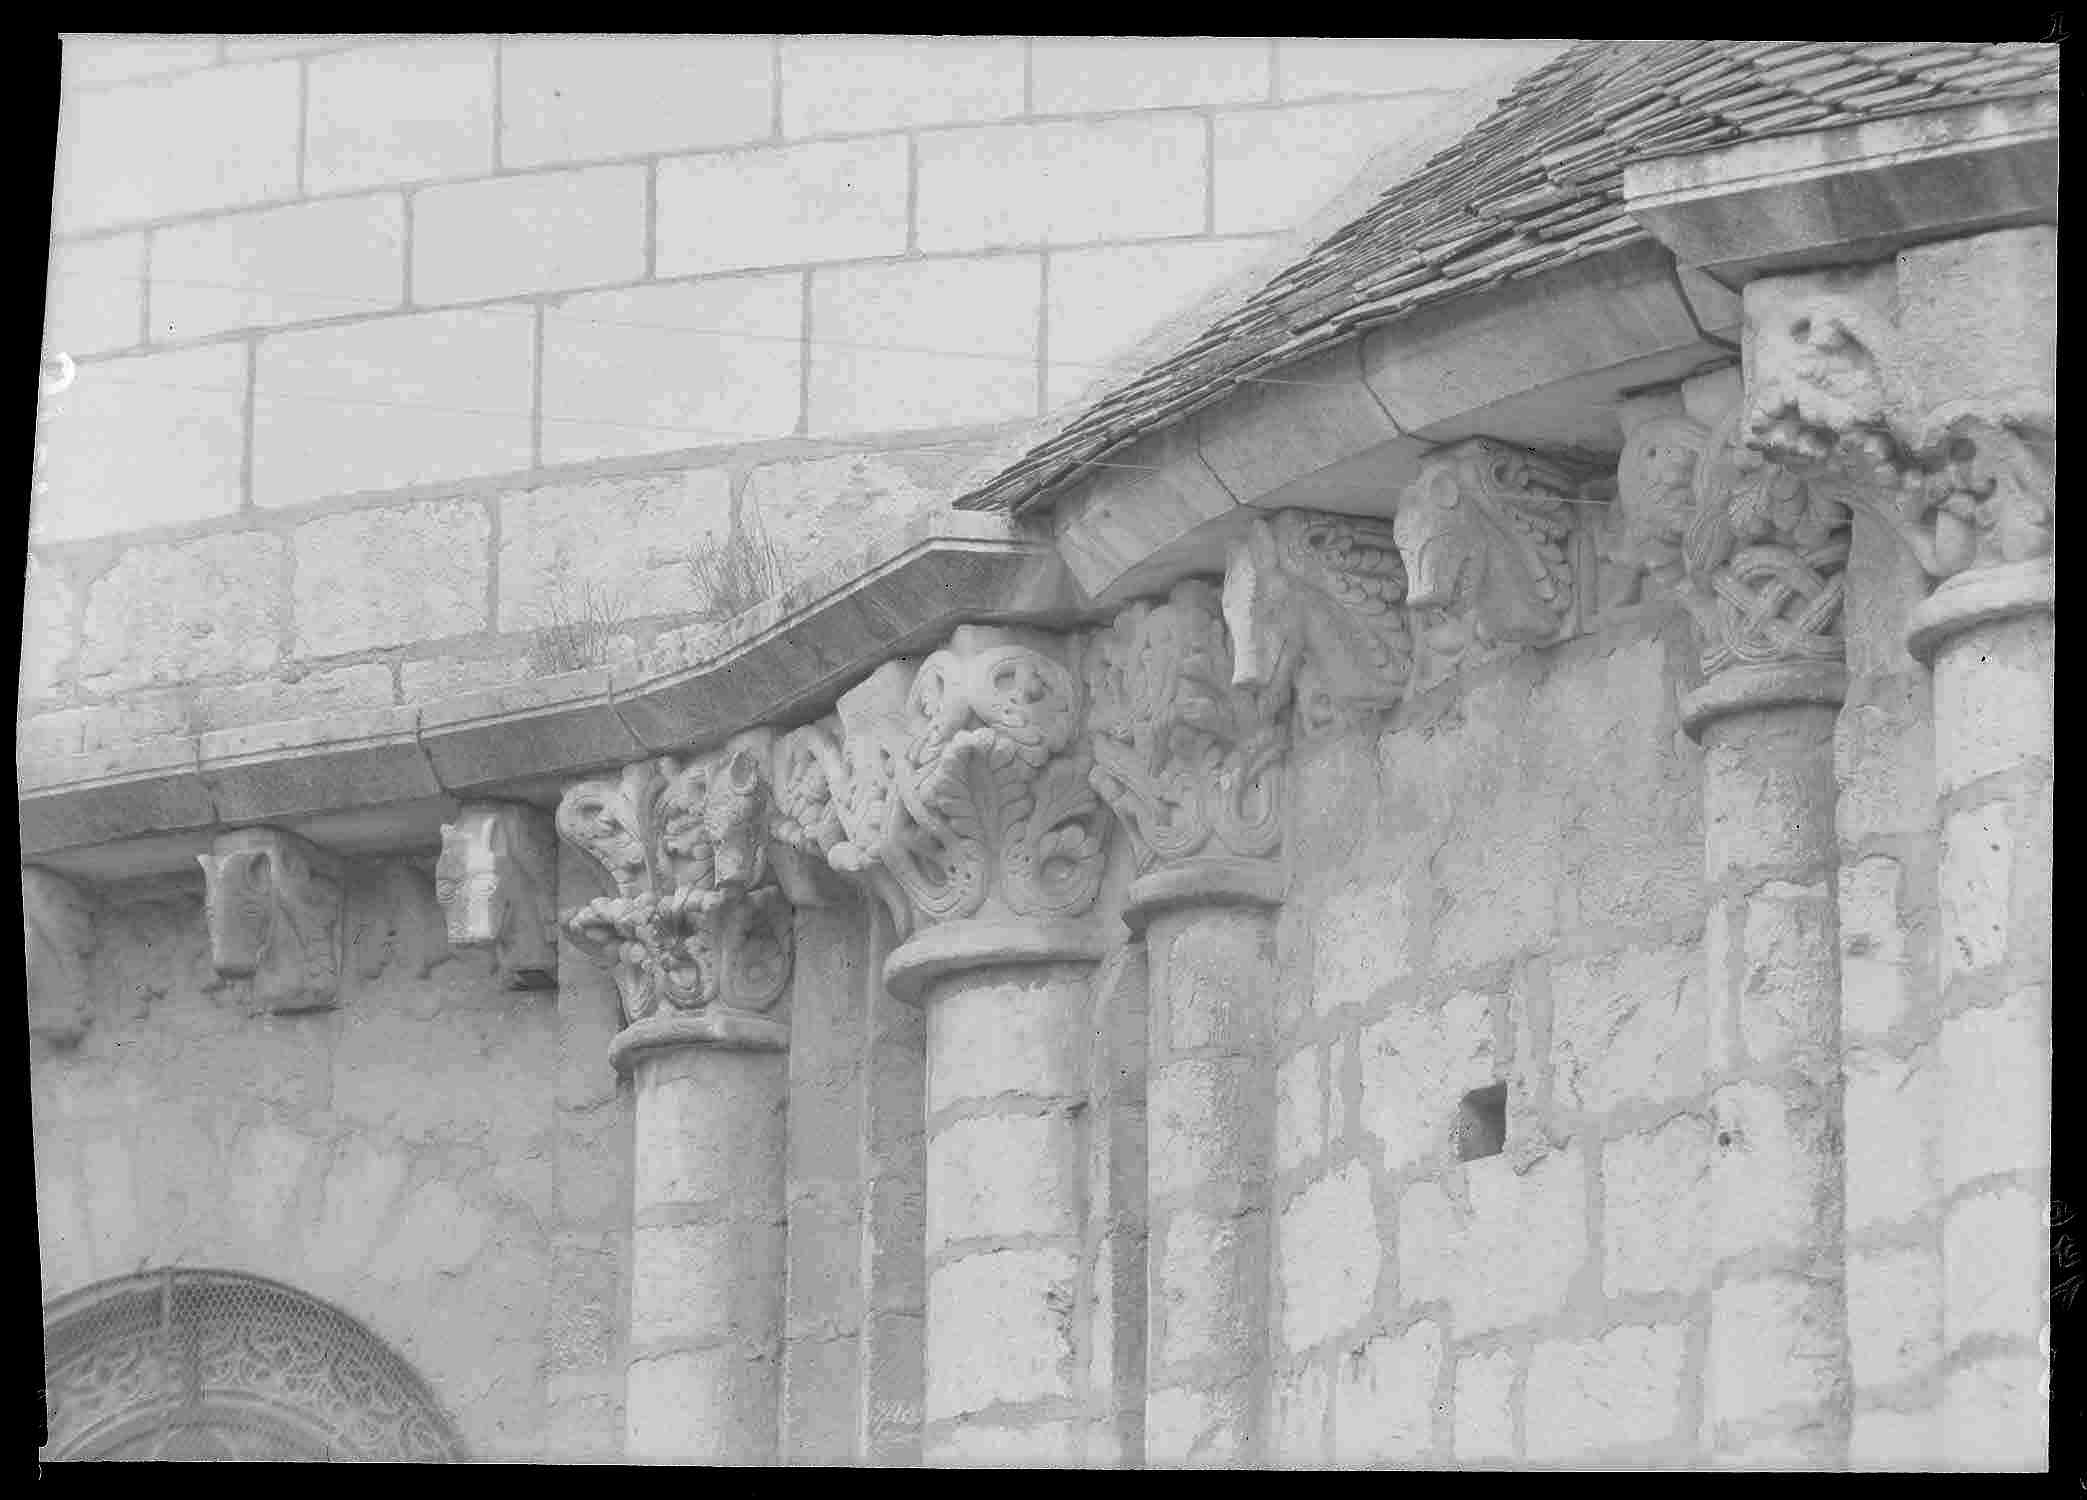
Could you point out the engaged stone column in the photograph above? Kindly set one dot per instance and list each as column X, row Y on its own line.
column 699, row 937
column 962, row 787
column 1764, row 556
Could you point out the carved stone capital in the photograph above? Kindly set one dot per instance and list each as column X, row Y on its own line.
column 57, row 937
column 497, row 881
column 273, row 903
column 697, row 919
column 1315, row 606
column 1191, row 763
column 1487, row 534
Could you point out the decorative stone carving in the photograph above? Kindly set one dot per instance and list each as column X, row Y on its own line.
column 273, row 903
column 697, row 919
column 1655, row 497
column 1486, row 532
column 1314, row 603
column 57, row 937
column 1189, row 761
column 496, row 882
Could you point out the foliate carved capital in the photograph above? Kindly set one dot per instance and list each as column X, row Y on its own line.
column 57, row 937
column 496, row 882
column 1486, row 532
column 697, row 919
column 1315, row 604
column 273, row 904
column 1189, row 761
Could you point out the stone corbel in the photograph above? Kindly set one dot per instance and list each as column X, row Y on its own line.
column 57, row 937
column 497, row 881
column 273, row 903
column 697, row 932
column 1315, row 604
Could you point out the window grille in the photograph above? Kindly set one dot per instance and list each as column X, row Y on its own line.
column 218, row 1366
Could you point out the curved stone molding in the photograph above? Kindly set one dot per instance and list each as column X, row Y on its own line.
column 1191, row 763
column 1315, row 606
column 273, row 904
column 496, row 882
column 1486, row 533
column 57, row 937
column 697, row 919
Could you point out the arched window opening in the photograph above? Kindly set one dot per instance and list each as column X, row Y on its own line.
column 217, row 1365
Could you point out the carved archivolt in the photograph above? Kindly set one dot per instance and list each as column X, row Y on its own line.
column 57, row 937
column 273, row 903
column 496, row 882
column 697, row 918
column 1190, row 762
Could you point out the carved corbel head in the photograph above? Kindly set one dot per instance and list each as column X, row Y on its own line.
column 57, row 937
column 495, row 882
column 1656, row 494
column 273, row 905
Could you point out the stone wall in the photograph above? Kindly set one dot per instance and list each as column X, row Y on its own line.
column 383, row 355
column 446, row 1160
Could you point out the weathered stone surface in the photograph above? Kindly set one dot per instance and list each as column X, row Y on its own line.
column 999, row 186
column 1788, row 945
column 1977, row 314
column 1656, row 1209
column 1996, row 1102
column 170, row 614
column 1484, row 1392
column 781, row 206
column 1361, row 942
column 971, row 1194
column 608, row 551
column 576, row 98
column 1202, row 1306
column 1894, row 1441
column 1894, row 1315
column 545, row 232
column 1206, row 1126
column 1272, row 166
column 1302, row 1402
column 1507, row 1253
column 1771, row 1172
column 1993, row 1417
column 1774, row 1343
column 401, row 113
column 95, row 300
column 1977, row 880
column 1015, row 1307
column 1331, row 1257
column 1015, row 1038
column 1075, row 75
column 1416, row 1064
column 1300, row 1111
column 1587, row 1395
column 342, row 257
column 1384, row 1398
column 843, row 86
column 386, row 577
column 1994, row 701
column 1996, row 1253
column 453, row 676
column 1873, row 947
column 1504, row 892
column 1626, row 1027
column 1893, row 1127
column 48, row 634
column 816, row 509
column 1884, row 762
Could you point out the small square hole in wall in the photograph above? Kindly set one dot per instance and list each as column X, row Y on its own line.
column 1481, row 1128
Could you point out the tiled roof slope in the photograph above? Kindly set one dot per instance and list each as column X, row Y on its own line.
column 1536, row 185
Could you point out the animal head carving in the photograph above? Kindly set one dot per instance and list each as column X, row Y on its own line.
column 1483, row 531
column 494, row 881
column 273, row 909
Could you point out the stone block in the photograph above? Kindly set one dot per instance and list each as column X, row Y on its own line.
column 95, row 300
column 1884, row 762
column 1302, row 1399
column 361, row 1185
column 1080, row 75
column 782, row 206
column 545, row 232
column 1585, row 1395
column 1273, row 166
column 1996, row 1252
column 1012, row 1039
column 998, row 186
column 943, row 343
column 1507, row 1252
column 1891, row 1110
column 1015, row 1307
column 1104, row 301
column 1384, row 1398
column 330, row 259
column 452, row 676
column 90, row 60
column 1362, row 942
column 387, row 577
column 155, row 440
column 1787, row 1001
column 1504, row 895
column 1996, row 1417
column 1976, row 315
column 1206, row 1127
column 853, row 85
column 1307, row 69
column 1894, row 1315
column 1203, row 1265
column 1978, row 860
column 395, row 402
column 1417, row 1064
column 985, row 1445
column 266, row 1169
column 691, row 1281
column 1656, row 1210
column 1889, row 1441
column 582, row 98
column 197, row 142
column 815, row 510
column 1995, row 701
column 1762, row 799
column 1300, row 1111
column 406, row 112
column 1484, row 1395
column 437, row 1231
column 998, row 1176
column 703, row 1405
column 1214, row 972
column 658, row 368
column 169, row 614
column 1873, row 947
column 1775, row 1343
column 1996, row 1104
column 312, row 695
column 1772, row 1170
column 1331, row 1256
column 48, row 634
column 1626, row 1027
column 616, row 547
column 713, row 1119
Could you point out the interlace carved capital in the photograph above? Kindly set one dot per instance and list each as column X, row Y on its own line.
column 1191, row 763
column 496, row 882
column 1486, row 531
column 57, row 937
column 273, row 904
column 697, row 919
column 1315, row 604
